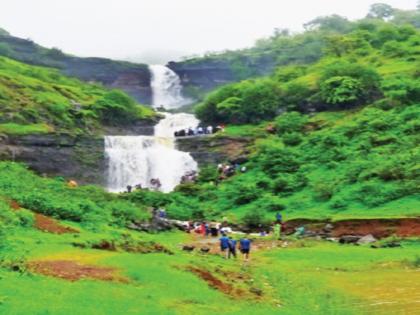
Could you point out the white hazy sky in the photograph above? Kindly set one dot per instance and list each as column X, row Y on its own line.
column 165, row 28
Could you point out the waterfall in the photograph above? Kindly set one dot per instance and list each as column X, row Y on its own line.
column 134, row 160
column 166, row 88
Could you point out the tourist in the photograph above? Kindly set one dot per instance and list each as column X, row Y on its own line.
column 245, row 247
column 162, row 213
column 203, row 229
column 210, row 130
column 214, row 230
column 72, row 184
column 200, row 130
column 277, row 231
column 232, row 247
column 279, row 217
column 224, row 245
column 129, row 188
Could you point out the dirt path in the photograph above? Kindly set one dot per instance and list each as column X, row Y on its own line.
column 74, row 271
column 49, row 225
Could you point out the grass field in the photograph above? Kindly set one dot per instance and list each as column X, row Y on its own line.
column 306, row 277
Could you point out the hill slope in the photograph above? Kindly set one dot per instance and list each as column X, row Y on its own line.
column 346, row 143
column 42, row 100
column 133, row 78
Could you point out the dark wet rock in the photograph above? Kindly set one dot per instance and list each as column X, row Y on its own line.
column 205, row 249
column 188, row 248
column 390, row 244
column 215, row 149
column 78, row 158
column 206, row 74
column 154, row 225
column 349, row 239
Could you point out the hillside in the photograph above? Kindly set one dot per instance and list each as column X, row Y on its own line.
column 201, row 74
column 346, row 144
column 36, row 100
column 133, row 78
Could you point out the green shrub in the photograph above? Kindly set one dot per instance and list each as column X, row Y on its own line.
column 254, row 219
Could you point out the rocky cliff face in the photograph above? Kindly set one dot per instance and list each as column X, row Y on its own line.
column 215, row 149
column 74, row 157
column 82, row 159
column 206, row 74
column 132, row 78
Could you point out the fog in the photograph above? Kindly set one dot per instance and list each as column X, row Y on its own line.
column 156, row 31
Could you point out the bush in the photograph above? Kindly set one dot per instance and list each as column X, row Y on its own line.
column 115, row 107
column 292, row 139
column 244, row 193
column 254, row 219
column 324, row 190
column 345, row 84
column 292, row 122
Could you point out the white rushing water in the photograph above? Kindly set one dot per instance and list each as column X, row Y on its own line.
column 167, row 88
column 134, row 160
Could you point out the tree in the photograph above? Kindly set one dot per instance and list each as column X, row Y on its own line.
column 381, row 11
column 347, row 84
column 335, row 23
column 341, row 90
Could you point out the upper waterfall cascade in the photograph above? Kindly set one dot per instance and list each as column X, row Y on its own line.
column 166, row 88
column 137, row 160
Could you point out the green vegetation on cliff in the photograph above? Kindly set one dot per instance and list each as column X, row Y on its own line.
column 39, row 100
column 346, row 134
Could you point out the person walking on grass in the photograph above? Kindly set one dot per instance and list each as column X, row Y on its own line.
column 224, row 245
column 277, row 231
column 245, row 247
column 232, row 247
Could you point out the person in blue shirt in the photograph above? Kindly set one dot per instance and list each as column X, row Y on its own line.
column 279, row 217
column 232, row 247
column 224, row 245
column 245, row 246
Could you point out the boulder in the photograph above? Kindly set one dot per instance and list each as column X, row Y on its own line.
column 188, row 248
column 367, row 239
column 349, row 239
column 205, row 249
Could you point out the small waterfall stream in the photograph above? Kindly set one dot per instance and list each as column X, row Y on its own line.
column 134, row 160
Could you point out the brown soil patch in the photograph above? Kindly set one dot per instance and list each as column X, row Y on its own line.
column 50, row 225
column 73, row 271
column 216, row 283
column 379, row 228
column 14, row 205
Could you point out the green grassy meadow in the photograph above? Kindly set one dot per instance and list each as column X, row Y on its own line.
column 301, row 278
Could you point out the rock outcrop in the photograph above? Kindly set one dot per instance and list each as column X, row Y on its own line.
column 74, row 157
column 215, row 149
column 79, row 158
column 205, row 74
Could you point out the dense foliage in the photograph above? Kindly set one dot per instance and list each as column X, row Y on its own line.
column 35, row 100
column 90, row 205
column 358, row 68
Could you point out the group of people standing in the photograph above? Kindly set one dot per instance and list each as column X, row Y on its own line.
column 228, row 170
column 228, row 246
column 189, row 177
column 198, row 131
